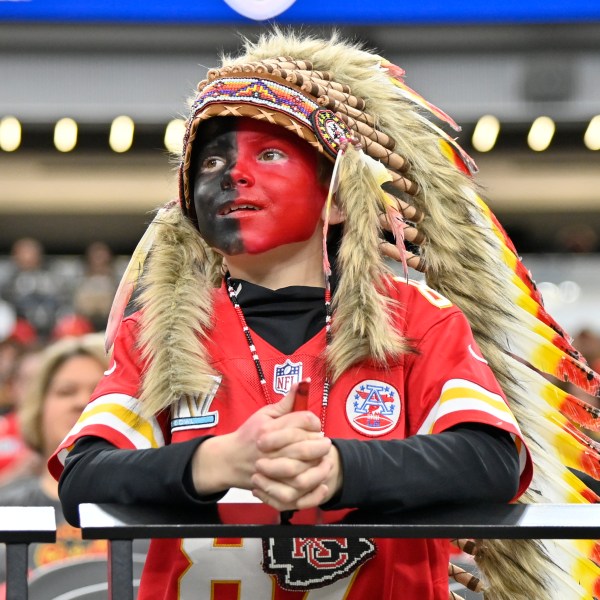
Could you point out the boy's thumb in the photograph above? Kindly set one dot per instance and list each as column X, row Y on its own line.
column 286, row 404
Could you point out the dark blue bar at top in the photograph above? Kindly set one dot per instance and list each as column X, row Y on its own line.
column 355, row 12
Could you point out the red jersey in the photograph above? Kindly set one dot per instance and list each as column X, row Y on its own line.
column 444, row 383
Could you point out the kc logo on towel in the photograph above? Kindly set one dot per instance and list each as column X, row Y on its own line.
column 301, row 564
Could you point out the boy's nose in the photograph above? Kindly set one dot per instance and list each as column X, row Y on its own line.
column 237, row 177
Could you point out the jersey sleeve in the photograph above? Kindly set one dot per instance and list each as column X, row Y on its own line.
column 449, row 382
column 113, row 412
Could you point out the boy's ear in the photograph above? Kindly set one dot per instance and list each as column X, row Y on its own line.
column 336, row 216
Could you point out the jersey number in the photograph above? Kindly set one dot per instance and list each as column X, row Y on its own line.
column 430, row 295
column 229, row 569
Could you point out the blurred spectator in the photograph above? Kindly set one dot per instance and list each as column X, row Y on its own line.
column 24, row 333
column 24, row 372
column 8, row 320
column 16, row 337
column 94, row 294
column 71, row 325
column 17, row 459
column 31, row 289
column 578, row 239
column 588, row 343
column 69, row 370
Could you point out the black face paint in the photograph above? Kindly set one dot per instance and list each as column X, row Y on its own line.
column 212, row 188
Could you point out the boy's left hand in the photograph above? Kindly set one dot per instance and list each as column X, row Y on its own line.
column 290, row 477
column 287, row 481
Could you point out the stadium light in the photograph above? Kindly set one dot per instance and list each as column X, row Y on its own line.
column 541, row 134
column 591, row 137
column 65, row 135
column 486, row 133
column 174, row 136
column 120, row 138
column 10, row 134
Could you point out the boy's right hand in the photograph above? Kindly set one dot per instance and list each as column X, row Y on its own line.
column 275, row 450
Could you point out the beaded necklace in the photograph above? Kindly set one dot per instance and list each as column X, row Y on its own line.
column 259, row 370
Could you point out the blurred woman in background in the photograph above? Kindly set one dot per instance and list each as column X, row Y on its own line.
column 67, row 375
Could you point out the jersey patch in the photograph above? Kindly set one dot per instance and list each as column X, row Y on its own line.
column 285, row 375
column 193, row 412
column 310, row 563
column 373, row 407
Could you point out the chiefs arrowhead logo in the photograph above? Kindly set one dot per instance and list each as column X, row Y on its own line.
column 259, row 10
column 309, row 563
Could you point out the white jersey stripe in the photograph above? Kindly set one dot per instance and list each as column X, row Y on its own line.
column 481, row 400
column 131, row 405
column 108, row 419
column 464, row 383
column 118, row 411
column 429, row 422
column 462, row 393
column 463, row 404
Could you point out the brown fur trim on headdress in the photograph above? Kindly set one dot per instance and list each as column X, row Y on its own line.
column 177, row 282
column 523, row 576
column 360, row 326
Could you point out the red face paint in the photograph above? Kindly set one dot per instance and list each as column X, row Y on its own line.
column 256, row 187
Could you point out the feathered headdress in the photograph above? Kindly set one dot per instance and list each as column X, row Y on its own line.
column 402, row 173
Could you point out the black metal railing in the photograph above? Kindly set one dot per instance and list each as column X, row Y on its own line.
column 19, row 527
column 122, row 524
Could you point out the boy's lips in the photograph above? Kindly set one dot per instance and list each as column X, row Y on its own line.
column 238, row 206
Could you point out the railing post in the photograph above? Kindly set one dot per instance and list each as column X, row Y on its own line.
column 120, row 570
column 16, row 571
column 19, row 527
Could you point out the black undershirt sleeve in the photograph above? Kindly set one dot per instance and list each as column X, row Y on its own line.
column 96, row 471
column 470, row 463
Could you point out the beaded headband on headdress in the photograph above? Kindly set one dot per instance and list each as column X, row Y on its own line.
column 307, row 102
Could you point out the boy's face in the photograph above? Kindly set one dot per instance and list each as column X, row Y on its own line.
column 255, row 186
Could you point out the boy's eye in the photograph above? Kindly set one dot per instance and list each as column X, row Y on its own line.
column 211, row 163
column 271, row 155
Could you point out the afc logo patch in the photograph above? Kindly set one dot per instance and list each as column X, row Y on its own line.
column 301, row 564
column 373, row 407
column 285, row 375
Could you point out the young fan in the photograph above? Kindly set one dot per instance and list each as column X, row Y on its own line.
column 304, row 162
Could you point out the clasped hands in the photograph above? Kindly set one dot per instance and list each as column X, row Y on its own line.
column 280, row 455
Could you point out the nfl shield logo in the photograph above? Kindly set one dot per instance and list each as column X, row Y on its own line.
column 285, row 375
